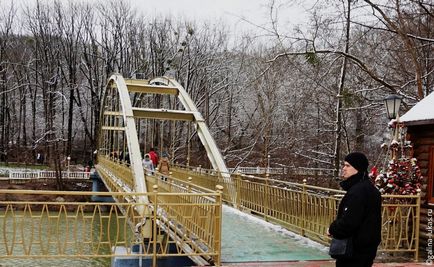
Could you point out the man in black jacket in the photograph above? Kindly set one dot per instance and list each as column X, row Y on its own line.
column 359, row 213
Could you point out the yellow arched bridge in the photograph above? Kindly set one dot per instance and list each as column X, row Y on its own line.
column 165, row 219
column 193, row 221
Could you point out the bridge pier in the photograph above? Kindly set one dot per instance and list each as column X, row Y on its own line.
column 146, row 261
column 97, row 185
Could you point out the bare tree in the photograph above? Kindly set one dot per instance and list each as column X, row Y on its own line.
column 7, row 17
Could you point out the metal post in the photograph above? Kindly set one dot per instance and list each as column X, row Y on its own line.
column 189, row 179
column 67, row 172
column 416, row 253
column 267, row 196
column 395, row 138
column 188, row 144
column 217, row 229
column 303, row 208
column 268, row 164
column 237, row 182
column 154, row 227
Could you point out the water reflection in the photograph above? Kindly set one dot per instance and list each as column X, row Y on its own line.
column 61, row 233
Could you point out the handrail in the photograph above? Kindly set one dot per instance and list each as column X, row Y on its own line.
column 70, row 225
column 309, row 210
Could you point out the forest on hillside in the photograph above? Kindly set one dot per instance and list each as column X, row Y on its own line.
column 303, row 98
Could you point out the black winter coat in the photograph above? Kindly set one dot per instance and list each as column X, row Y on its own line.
column 359, row 217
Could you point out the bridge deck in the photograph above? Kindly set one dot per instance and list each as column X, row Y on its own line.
column 246, row 238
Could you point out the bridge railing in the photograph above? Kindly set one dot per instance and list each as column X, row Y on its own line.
column 304, row 209
column 258, row 170
column 294, row 171
column 34, row 175
column 201, row 223
column 68, row 225
column 118, row 170
column 309, row 210
column 198, row 226
column 206, row 178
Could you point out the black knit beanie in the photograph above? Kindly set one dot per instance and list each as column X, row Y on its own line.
column 358, row 161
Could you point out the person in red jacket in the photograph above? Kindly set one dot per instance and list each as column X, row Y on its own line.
column 154, row 156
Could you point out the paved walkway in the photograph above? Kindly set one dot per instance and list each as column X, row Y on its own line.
column 318, row 264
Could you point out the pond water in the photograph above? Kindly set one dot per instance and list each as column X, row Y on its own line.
column 55, row 230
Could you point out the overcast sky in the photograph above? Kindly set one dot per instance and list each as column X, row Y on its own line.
column 238, row 15
column 232, row 12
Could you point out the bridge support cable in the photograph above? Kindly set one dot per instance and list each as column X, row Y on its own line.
column 207, row 140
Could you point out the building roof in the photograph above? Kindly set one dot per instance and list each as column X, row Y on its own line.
column 421, row 114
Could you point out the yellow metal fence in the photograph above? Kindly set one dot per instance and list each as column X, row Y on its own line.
column 65, row 224
column 205, row 178
column 309, row 210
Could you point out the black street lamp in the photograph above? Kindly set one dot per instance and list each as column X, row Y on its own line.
column 392, row 103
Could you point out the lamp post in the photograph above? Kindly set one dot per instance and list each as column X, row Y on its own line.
column 268, row 164
column 68, row 159
column 392, row 104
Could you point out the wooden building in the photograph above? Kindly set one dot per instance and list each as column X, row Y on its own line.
column 419, row 122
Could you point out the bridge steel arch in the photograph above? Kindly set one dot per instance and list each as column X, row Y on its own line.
column 110, row 113
column 118, row 116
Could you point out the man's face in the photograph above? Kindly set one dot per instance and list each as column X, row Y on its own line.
column 348, row 170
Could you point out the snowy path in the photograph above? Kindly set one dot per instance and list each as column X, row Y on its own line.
column 247, row 238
